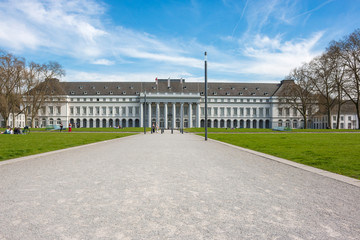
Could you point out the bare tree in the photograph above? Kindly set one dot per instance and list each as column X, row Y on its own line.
column 40, row 83
column 320, row 73
column 338, row 73
column 350, row 53
column 298, row 93
column 11, row 73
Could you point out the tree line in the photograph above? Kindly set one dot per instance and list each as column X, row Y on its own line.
column 328, row 81
column 25, row 86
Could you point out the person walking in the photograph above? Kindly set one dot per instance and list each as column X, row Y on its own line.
column 61, row 127
column 69, row 127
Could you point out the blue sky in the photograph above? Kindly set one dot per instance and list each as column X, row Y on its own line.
column 133, row 40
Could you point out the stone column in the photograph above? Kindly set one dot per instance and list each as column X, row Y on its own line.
column 174, row 116
column 141, row 115
column 157, row 114
column 149, row 114
column 182, row 115
column 165, row 115
column 198, row 115
column 190, row 115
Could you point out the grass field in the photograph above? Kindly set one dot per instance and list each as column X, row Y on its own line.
column 334, row 152
column 13, row 146
column 240, row 130
column 130, row 129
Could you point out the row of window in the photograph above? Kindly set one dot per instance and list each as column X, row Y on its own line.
column 286, row 112
column 102, row 99
column 234, row 112
column 119, row 111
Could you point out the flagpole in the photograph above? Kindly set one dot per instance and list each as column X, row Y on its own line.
column 206, row 130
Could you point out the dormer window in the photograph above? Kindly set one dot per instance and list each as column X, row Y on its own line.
column 123, row 92
column 169, row 87
column 240, row 93
column 93, row 87
column 215, row 93
column 97, row 92
column 52, row 92
column 253, row 94
column 266, row 94
column 258, row 88
column 201, row 93
column 85, row 93
column 81, row 87
column 136, row 93
column 184, row 87
column 232, row 88
column 118, row 87
column 72, row 92
column 111, row 93
column 245, row 88
column 227, row 93
column 131, row 87
column 153, row 87
column 219, row 88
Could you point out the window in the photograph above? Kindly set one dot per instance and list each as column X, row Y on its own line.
column 241, row 111
column 117, row 110
column 84, row 110
column 58, row 110
column 222, row 112
column 123, row 111
column 287, row 111
column 295, row 112
column 91, row 110
column 228, row 111
column 51, row 122
column 247, row 111
column 51, row 110
column 334, row 118
column 103, row 110
column 77, row 110
column 110, row 110
column 137, row 111
column 130, row 111
column 209, row 112
column 349, row 125
column 97, row 110
column 267, row 112
column 71, row 110
column 202, row 111
column 254, row 112
column 215, row 112
column 342, row 125
column 280, row 112
column 261, row 112
column 349, row 118
column 235, row 111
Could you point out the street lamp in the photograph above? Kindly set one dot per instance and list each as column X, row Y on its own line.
column 206, row 97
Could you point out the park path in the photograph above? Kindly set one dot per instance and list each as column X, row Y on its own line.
column 170, row 186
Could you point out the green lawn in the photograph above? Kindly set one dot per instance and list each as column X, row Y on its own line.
column 130, row 129
column 334, row 152
column 13, row 146
column 240, row 130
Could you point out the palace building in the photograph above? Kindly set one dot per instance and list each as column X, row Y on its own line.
column 168, row 103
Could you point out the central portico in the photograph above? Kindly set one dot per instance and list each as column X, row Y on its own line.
column 170, row 110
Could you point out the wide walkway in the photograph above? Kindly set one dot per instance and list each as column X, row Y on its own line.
column 170, row 186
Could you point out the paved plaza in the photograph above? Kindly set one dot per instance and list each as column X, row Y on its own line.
column 170, row 186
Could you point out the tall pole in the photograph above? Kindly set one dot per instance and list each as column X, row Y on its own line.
column 206, row 132
column 145, row 113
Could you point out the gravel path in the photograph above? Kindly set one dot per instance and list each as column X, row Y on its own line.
column 164, row 186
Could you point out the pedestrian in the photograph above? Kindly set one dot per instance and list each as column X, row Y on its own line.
column 61, row 127
column 69, row 127
column 153, row 128
column 157, row 128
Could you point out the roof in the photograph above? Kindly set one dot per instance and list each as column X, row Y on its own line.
column 176, row 86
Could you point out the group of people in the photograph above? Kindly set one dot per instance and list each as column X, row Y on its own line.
column 9, row 130
column 155, row 128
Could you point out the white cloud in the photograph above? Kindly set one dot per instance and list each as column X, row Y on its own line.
column 103, row 62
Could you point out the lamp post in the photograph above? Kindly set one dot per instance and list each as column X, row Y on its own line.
column 206, row 97
column 145, row 113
